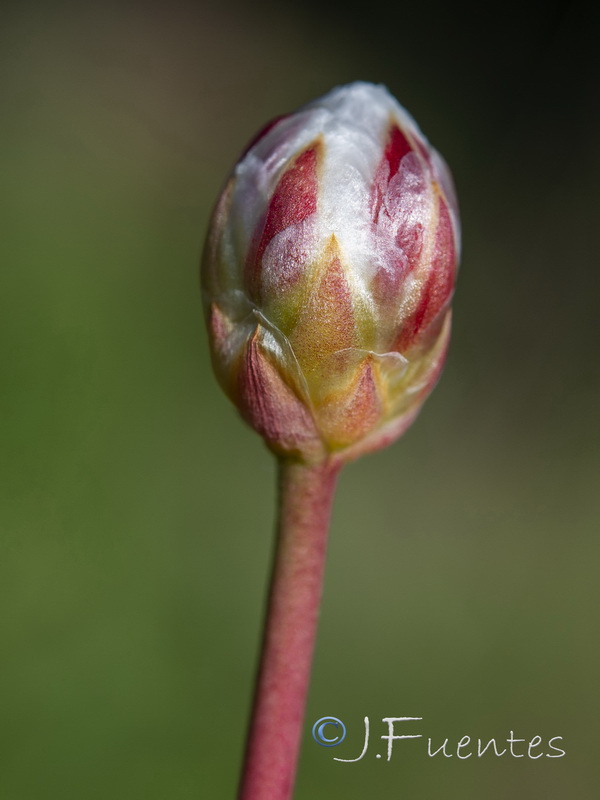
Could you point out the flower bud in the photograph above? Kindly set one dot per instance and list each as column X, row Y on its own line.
column 328, row 273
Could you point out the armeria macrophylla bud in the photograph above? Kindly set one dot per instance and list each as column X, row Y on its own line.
column 328, row 273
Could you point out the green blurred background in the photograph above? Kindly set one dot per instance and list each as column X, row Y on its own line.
column 137, row 510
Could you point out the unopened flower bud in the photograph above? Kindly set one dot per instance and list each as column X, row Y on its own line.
column 328, row 273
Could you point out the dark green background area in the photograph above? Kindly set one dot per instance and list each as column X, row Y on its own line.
column 137, row 510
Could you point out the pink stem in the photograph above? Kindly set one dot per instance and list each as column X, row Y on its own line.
column 305, row 499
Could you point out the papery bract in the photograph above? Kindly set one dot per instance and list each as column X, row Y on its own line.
column 328, row 274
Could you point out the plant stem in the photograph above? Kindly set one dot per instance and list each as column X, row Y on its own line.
column 305, row 500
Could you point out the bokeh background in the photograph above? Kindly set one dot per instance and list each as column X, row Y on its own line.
column 137, row 510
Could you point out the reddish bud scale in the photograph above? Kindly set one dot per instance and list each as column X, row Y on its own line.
column 437, row 289
column 294, row 199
